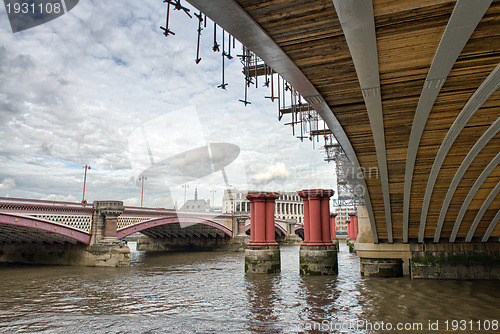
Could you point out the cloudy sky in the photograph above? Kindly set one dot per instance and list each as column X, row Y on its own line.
column 102, row 86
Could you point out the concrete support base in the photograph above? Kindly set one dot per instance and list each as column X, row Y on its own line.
column 262, row 259
column 99, row 255
column 291, row 240
column 389, row 252
column 318, row 260
column 456, row 260
column 381, row 267
column 239, row 243
column 108, row 255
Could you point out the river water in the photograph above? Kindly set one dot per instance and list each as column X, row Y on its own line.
column 208, row 292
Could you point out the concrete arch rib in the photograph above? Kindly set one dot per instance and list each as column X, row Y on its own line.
column 489, row 85
column 490, row 229
column 358, row 23
column 493, row 194
column 229, row 15
column 472, row 192
column 463, row 21
column 474, row 151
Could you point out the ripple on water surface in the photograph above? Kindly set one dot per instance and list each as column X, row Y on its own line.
column 208, row 292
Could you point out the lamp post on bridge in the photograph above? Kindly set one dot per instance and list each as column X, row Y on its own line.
column 213, row 198
column 84, row 183
column 185, row 186
column 142, row 178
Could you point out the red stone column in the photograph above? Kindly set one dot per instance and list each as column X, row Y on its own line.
column 270, row 236
column 307, row 232
column 317, row 231
column 262, row 218
column 355, row 227
column 351, row 225
column 315, row 221
column 333, row 226
column 325, row 217
column 252, row 221
column 317, row 256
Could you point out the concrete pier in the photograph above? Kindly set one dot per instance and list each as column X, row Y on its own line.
column 105, row 250
column 318, row 254
column 458, row 260
column 262, row 255
column 381, row 267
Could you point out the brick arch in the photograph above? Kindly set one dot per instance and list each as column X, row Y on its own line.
column 32, row 224
column 147, row 224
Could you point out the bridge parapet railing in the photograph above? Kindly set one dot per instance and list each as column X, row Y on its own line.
column 76, row 215
column 80, row 222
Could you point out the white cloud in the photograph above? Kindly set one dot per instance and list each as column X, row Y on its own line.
column 55, row 197
column 7, row 184
column 68, row 99
column 274, row 172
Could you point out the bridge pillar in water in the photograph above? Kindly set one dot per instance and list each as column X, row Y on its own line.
column 382, row 260
column 105, row 250
column 240, row 238
column 352, row 231
column 333, row 226
column 318, row 254
column 333, row 231
column 291, row 238
column 262, row 254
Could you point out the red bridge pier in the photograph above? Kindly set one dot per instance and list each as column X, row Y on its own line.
column 262, row 254
column 318, row 254
column 352, row 231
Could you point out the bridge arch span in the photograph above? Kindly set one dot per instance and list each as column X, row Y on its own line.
column 299, row 230
column 278, row 229
column 184, row 222
column 19, row 228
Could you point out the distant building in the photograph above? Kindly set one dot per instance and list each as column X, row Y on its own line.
column 342, row 217
column 196, row 205
column 288, row 206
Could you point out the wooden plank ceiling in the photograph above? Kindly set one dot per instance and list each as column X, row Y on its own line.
column 408, row 33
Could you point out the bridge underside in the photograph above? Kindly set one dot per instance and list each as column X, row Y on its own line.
column 409, row 89
column 175, row 236
column 175, row 230
column 11, row 234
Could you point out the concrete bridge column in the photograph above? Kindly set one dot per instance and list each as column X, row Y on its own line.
column 240, row 238
column 318, row 255
column 291, row 237
column 262, row 254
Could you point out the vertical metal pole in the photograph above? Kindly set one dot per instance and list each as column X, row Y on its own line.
column 142, row 191
column 185, row 186
column 85, row 182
